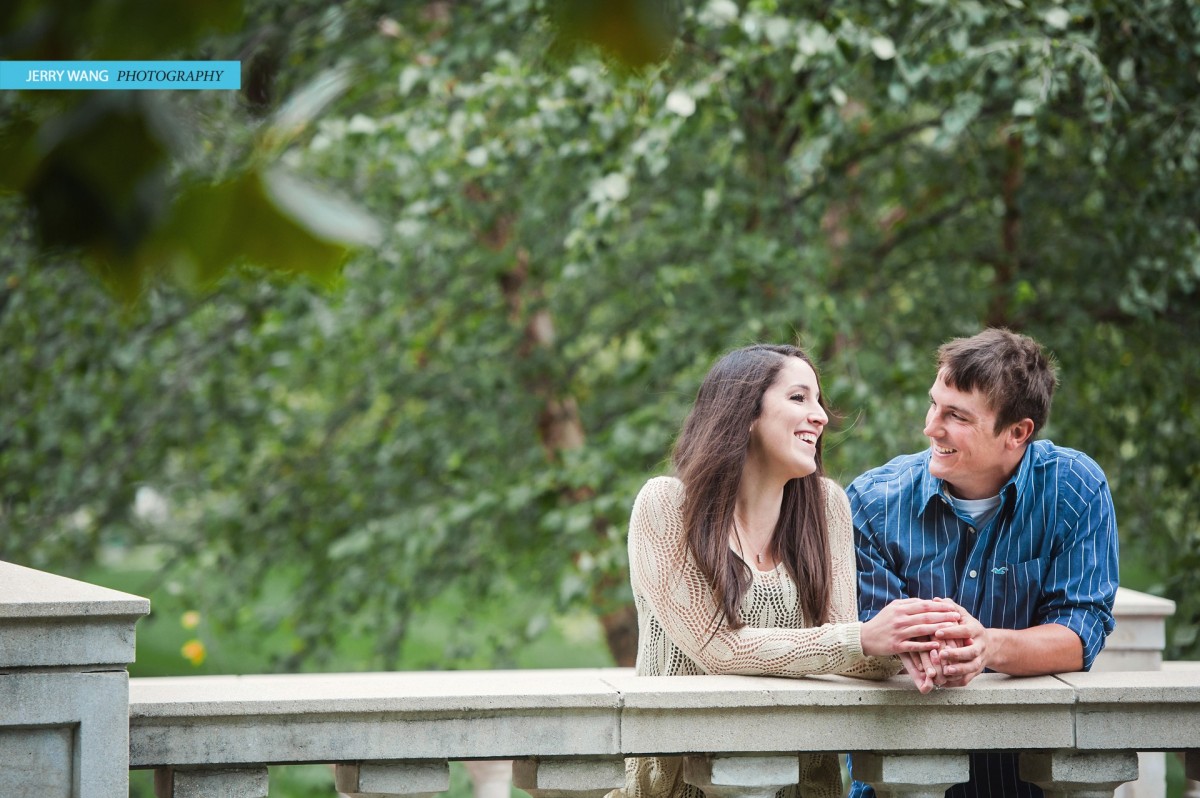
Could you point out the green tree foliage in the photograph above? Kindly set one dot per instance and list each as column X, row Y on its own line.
column 128, row 180
column 569, row 243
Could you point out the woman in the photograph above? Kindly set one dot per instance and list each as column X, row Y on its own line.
column 744, row 562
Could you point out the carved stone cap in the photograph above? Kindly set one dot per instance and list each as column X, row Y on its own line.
column 49, row 621
column 1134, row 602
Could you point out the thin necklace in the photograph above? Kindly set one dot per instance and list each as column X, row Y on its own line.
column 742, row 548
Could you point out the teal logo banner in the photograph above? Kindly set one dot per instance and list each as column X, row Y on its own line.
column 120, row 75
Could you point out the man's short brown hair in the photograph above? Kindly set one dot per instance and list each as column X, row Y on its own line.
column 1016, row 375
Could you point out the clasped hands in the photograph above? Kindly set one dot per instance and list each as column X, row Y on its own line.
column 939, row 643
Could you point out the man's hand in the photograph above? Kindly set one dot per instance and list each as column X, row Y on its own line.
column 958, row 658
column 964, row 650
column 948, row 679
column 908, row 626
column 1036, row 651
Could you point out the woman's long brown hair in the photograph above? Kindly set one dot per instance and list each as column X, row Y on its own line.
column 708, row 457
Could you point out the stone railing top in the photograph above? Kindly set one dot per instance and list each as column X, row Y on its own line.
column 1135, row 602
column 441, row 691
column 401, row 691
column 1173, row 685
column 742, row 692
column 836, row 713
column 28, row 593
column 609, row 713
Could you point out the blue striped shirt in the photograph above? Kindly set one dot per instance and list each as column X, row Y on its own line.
column 1047, row 555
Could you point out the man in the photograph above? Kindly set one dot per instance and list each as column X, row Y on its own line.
column 1020, row 533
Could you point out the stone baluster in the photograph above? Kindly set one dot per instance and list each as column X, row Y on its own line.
column 911, row 775
column 381, row 779
column 490, row 778
column 1071, row 774
column 737, row 776
column 1191, row 769
column 211, row 782
column 568, row 778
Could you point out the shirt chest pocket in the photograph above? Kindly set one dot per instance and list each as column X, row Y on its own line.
column 1016, row 586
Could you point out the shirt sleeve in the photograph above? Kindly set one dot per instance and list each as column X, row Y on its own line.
column 1081, row 582
column 878, row 584
column 666, row 576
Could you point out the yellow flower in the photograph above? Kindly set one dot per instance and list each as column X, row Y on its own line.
column 190, row 619
column 194, row 652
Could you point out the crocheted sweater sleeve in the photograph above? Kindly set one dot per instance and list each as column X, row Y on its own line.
column 669, row 585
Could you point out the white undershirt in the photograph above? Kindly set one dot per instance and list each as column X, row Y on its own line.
column 979, row 511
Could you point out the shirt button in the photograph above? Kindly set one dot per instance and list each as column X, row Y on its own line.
column 973, row 573
column 971, row 530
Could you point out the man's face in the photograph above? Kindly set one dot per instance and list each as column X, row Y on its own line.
column 965, row 451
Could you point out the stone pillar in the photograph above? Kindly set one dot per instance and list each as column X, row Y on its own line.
column 211, row 782
column 1136, row 644
column 1070, row 774
column 568, row 778
column 736, row 776
column 380, row 779
column 912, row 775
column 64, row 649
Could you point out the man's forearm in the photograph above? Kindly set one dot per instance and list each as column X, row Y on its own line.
column 1039, row 650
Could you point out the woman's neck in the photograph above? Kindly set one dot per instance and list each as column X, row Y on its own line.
column 756, row 514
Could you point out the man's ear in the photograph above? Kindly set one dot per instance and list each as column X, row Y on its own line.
column 1020, row 434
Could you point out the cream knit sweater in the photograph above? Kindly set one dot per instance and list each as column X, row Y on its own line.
column 677, row 615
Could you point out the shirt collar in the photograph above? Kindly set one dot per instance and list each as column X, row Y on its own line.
column 933, row 487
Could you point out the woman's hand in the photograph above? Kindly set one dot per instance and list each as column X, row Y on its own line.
column 921, row 670
column 907, row 626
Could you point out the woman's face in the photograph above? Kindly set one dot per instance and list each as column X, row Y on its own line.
column 783, row 439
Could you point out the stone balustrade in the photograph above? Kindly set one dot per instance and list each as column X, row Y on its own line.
column 72, row 724
column 568, row 730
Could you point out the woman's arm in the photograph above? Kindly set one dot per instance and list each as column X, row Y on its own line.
column 677, row 592
column 844, row 606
